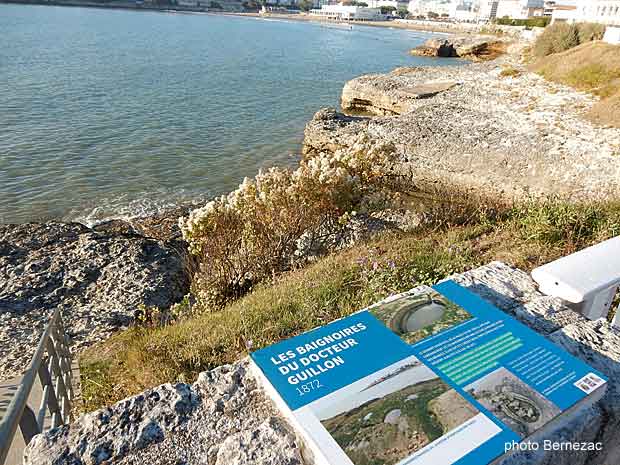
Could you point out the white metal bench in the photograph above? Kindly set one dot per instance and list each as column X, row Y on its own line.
column 588, row 279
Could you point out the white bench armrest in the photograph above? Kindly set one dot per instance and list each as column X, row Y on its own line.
column 590, row 277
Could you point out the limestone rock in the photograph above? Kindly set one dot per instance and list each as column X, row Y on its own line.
column 509, row 139
column 270, row 443
column 110, row 434
column 376, row 95
column 99, row 279
column 224, row 418
column 455, row 46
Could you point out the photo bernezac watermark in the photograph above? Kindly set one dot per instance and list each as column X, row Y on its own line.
column 549, row 445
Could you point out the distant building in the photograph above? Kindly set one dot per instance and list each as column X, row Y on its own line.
column 348, row 13
column 465, row 13
column 487, row 9
column 612, row 35
column 599, row 11
column 551, row 5
column 439, row 7
column 591, row 11
column 519, row 9
column 397, row 4
column 561, row 11
column 478, row 10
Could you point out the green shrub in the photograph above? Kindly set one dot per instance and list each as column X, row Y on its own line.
column 525, row 235
column 258, row 230
column 528, row 23
column 561, row 223
column 560, row 37
column 590, row 31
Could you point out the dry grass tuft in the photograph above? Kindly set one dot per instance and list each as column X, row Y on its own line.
column 510, row 72
column 607, row 111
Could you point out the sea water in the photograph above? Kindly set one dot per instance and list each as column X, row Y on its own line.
column 110, row 113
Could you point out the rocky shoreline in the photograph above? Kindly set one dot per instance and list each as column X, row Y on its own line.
column 99, row 277
column 473, row 128
column 476, row 128
column 507, row 134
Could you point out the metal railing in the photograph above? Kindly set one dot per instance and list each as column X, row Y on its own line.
column 52, row 364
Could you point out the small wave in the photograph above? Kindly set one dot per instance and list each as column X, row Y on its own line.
column 123, row 208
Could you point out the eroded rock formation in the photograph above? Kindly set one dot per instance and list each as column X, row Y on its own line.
column 221, row 419
column 470, row 127
column 98, row 278
column 469, row 46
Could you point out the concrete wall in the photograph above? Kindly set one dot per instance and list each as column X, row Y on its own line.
column 612, row 35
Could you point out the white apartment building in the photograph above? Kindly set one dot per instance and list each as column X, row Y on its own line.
column 598, row 11
column 397, row 4
column 514, row 9
column 348, row 13
column 520, row 9
column 414, row 7
column 440, row 7
column 487, row 9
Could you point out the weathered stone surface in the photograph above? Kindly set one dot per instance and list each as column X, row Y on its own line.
column 500, row 284
column 372, row 94
column 223, row 418
column 162, row 226
column 271, row 443
column 598, row 344
column 226, row 418
column 455, row 46
column 508, row 137
column 99, row 279
column 359, row 228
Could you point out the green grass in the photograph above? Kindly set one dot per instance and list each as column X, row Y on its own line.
column 335, row 286
column 591, row 67
column 595, row 77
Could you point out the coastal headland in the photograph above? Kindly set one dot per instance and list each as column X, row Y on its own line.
column 492, row 130
column 473, row 129
column 481, row 128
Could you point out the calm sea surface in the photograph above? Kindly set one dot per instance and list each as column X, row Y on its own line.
column 110, row 113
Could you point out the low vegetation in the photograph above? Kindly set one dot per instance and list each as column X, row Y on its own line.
column 592, row 67
column 560, row 37
column 528, row 23
column 510, row 71
column 457, row 236
column 261, row 276
column 276, row 220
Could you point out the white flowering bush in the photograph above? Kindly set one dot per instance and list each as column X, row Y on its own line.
column 252, row 233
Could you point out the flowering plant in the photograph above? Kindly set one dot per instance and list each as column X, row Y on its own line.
column 253, row 232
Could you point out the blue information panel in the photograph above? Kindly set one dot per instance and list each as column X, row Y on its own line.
column 467, row 378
